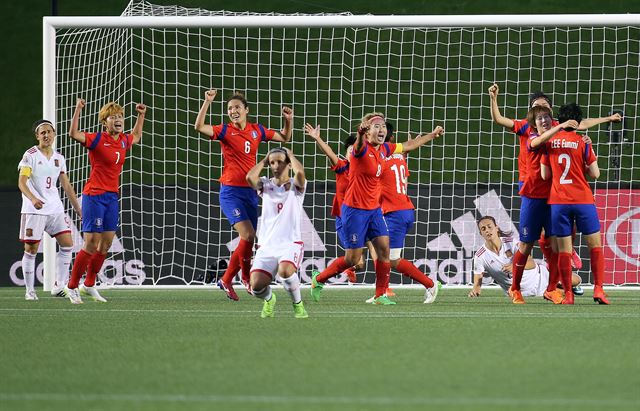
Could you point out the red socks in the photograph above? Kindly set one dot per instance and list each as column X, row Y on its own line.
column 519, row 261
column 564, row 269
column 382, row 277
column 336, row 267
column 95, row 264
column 597, row 265
column 554, row 275
column 80, row 265
column 407, row 268
column 240, row 258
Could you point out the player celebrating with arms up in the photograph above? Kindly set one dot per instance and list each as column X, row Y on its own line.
column 567, row 161
column 100, row 203
column 239, row 202
column 279, row 238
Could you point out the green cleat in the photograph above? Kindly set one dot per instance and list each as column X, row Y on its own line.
column 269, row 307
column 316, row 287
column 383, row 300
column 299, row 311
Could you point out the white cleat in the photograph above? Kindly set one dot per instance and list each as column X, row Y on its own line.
column 73, row 294
column 31, row 296
column 430, row 294
column 370, row 300
column 92, row 292
column 58, row 292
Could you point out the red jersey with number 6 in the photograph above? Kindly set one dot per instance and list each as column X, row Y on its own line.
column 395, row 175
column 106, row 157
column 239, row 150
column 568, row 155
column 365, row 171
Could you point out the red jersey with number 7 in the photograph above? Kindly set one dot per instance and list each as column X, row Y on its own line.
column 395, row 175
column 365, row 171
column 568, row 156
column 239, row 150
column 106, row 157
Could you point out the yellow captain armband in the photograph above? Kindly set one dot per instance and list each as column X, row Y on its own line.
column 25, row 171
column 399, row 148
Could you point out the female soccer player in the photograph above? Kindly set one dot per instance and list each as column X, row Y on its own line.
column 239, row 202
column 495, row 259
column 531, row 207
column 567, row 163
column 280, row 246
column 100, row 203
column 42, row 209
column 361, row 212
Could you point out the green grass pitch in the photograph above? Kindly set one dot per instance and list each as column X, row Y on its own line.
column 196, row 350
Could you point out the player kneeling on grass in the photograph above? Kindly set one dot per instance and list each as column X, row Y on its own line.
column 280, row 246
column 495, row 259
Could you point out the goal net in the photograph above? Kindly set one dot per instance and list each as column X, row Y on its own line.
column 331, row 69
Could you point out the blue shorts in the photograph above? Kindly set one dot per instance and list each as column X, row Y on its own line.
column 239, row 204
column 400, row 223
column 359, row 226
column 535, row 214
column 341, row 240
column 100, row 213
column 584, row 215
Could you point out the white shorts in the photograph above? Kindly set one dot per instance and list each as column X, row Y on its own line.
column 534, row 281
column 32, row 226
column 268, row 259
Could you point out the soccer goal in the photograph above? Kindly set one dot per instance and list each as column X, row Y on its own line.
column 421, row 71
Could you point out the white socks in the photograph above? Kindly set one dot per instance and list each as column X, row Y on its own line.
column 292, row 285
column 29, row 270
column 62, row 266
column 264, row 293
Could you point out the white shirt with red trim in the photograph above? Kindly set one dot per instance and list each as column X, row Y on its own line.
column 281, row 213
column 43, row 181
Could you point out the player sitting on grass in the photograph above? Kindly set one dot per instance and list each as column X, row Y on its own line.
column 280, row 247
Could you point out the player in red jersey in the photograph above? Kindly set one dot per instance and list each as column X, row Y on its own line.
column 361, row 211
column 100, row 200
column 569, row 159
column 239, row 140
column 531, row 207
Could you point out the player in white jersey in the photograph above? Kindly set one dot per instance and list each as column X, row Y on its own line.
column 42, row 211
column 280, row 246
column 495, row 258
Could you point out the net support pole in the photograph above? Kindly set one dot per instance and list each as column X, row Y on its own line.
column 49, row 113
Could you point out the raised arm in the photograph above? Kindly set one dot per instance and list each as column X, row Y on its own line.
column 71, row 194
column 137, row 128
column 284, row 135
column 360, row 136
column 299, row 178
column 546, row 136
column 590, row 122
column 496, row 116
column 74, row 133
column 253, row 176
column 326, row 149
column 202, row 128
column 412, row 144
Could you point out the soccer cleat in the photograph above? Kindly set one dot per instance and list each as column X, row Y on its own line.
column 92, row 292
column 389, row 292
column 351, row 275
column 516, row 296
column 383, row 300
column 58, row 292
column 576, row 261
column 430, row 294
column 247, row 286
column 31, row 295
column 316, row 287
column 577, row 290
column 73, row 295
column 299, row 311
column 228, row 289
column 554, row 296
column 269, row 306
column 599, row 295
column 370, row 300
column 568, row 298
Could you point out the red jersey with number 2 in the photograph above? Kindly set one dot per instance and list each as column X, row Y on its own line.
column 106, row 157
column 365, row 171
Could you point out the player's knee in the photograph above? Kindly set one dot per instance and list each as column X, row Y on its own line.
column 31, row 248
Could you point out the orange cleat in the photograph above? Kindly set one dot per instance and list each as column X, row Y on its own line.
column 568, row 298
column 554, row 296
column 516, row 296
column 599, row 295
column 390, row 292
column 576, row 261
column 351, row 275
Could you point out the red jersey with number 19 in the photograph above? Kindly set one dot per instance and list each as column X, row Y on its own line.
column 395, row 175
column 365, row 171
column 568, row 155
column 239, row 150
column 106, row 157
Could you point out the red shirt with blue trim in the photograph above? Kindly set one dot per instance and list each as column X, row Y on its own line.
column 365, row 176
column 342, row 181
column 395, row 178
column 522, row 129
column 534, row 186
column 106, row 157
column 239, row 150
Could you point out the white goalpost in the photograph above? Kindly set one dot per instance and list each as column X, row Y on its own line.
column 420, row 71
